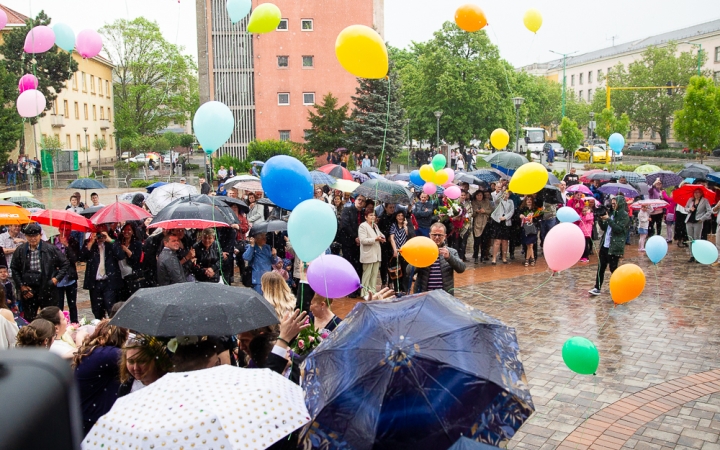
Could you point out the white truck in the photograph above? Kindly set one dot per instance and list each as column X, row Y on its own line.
column 532, row 139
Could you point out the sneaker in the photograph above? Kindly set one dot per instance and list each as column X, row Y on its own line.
column 584, row 260
column 594, row 291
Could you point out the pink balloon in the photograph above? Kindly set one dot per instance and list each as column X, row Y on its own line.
column 27, row 81
column 31, row 103
column 332, row 276
column 451, row 174
column 88, row 43
column 39, row 40
column 429, row 188
column 564, row 245
column 453, row 192
column 447, row 185
column 3, row 19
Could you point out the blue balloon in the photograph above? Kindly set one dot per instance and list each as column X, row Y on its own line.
column 416, row 179
column 567, row 214
column 656, row 248
column 64, row 36
column 286, row 181
column 238, row 9
column 704, row 252
column 213, row 125
column 617, row 142
column 311, row 229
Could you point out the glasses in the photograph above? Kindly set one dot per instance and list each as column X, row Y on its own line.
column 437, row 235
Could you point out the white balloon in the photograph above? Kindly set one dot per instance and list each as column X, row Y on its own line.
column 31, row 103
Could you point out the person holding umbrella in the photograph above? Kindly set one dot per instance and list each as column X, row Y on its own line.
column 67, row 287
column 698, row 211
column 259, row 256
column 370, row 239
column 130, row 269
column 612, row 242
column 102, row 272
column 169, row 266
column 207, row 259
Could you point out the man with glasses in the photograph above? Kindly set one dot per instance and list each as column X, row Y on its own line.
column 352, row 217
column 441, row 274
column 612, row 242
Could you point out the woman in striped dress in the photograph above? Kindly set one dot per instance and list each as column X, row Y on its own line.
column 400, row 233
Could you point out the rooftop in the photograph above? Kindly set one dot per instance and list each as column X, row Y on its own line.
column 14, row 17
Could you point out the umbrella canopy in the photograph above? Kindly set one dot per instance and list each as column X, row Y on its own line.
column 27, row 202
column 86, row 183
column 631, row 177
column 376, row 176
column 12, row 214
column 321, row 177
column 684, row 193
column 652, row 203
column 119, row 212
column 266, row 201
column 229, row 214
column 579, row 188
column 439, row 190
column 268, row 227
column 646, row 169
column 468, row 444
column 694, row 172
column 398, row 176
column 699, row 166
column 221, row 407
column 467, row 178
column 54, row 217
column 345, row 185
column 234, row 201
column 257, row 163
column 128, row 196
column 336, row 171
column 506, row 160
column 183, row 214
column 89, row 212
column 602, row 176
column 359, row 177
column 384, row 191
column 368, row 170
column 195, row 309
column 341, row 150
column 551, row 194
column 618, row 189
column 163, row 195
column 667, row 178
column 642, row 188
column 714, row 177
column 585, row 178
column 10, row 194
column 394, row 376
column 252, row 186
column 155, row 185
column 552, row 179
column 488, row 176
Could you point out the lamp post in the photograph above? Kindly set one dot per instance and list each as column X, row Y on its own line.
column 87, row 149
column 407, row 122
column 699, row 58
column 564, row 55
column 591, row 124
column 517, row 101
column 437, row 140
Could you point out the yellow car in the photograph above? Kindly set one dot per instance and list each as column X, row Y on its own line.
column 598, row 155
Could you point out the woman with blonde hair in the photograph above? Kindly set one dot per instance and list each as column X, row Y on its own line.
column 276, row 291
column 144, row 360
column 38, row 333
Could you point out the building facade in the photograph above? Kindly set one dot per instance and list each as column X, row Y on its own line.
column 270, row 81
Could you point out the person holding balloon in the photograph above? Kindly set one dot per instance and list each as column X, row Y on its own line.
column 612, row 243
column 441, row 273
column 698, row 211
column 371, row 240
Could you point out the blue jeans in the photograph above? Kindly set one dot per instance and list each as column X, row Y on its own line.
column 545, row 226
column 11, row 178
column 423, row 232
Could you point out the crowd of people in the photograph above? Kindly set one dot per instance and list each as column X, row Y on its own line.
column 22, row 170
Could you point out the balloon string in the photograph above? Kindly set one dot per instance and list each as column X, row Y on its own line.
column 507, row 80
column 657, row 283
column 172, row 64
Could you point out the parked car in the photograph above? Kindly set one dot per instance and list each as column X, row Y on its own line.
column 642, row 146
column 125, row 155
column 145, row 157
column 716, row 152
column 599, row 155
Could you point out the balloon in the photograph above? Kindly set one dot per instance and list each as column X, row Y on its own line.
column 213, row 124
column 626, row 283
column 447, row 185
column 362, row 52
column 429, row 188
column 528, row 179
column 64, row 37
column 27, row 81
column 581, row 356
column 238, row 9
column 656, row 248
column 616, row 142
column 470, row 18
column 88, row 43
column 264, row 19
column 31, row 103
column 532, row 20
column 704, row 252
column 567, row 214
column 439, row 162
column 420, row 251
column 453, row 192
column 286, row 181
column 440, row 178
column 450, row 172
column 564, row 245
column 416, row 179
column 3, row 19
column 499, row 138
column 427, row 173
column 39, row 40
column 311, row 229
column 332, row 276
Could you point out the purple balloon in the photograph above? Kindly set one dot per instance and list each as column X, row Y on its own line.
column 27, row 81
column 39, row 40
column 88, row 43
column 332, row 276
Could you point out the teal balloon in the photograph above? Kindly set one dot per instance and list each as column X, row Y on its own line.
column 656, row 248
column 704, row 252
column 213, row 124
column 311, row 229
column 439, row 162
column 64, row 36
column 238, row 9
column 581, row 356
column 616, row 142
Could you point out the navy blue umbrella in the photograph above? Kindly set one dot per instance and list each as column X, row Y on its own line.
column 417, row 372
column 468, row 444
column 485, row 175
column 155, row 185
column 86, row 183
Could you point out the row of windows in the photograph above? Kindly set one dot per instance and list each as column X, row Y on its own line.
column 66, row 111
column 307, row 61
column 84, row 82
column 581, row 77
column 581, row 95
column 284, row 98
column 717, row 54
column 81, row 141
column 305, row 25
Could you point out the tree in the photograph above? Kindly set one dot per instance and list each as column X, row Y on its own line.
column 697, row 122
column 172, row 139
column 54, row 146
column 608, row 123
column 264, row 150
column 154, row 83
column 186, row 140
column 11, row 127
column 570, row 136
column 327, row 126
column 99, row 145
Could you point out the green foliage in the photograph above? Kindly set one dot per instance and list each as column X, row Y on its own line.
column 142, row 183
column 99, row 144
column 186, row 140
column 172, row 139
column 227, row 161
column 560, row 173
column 698, row 123
column 197, row 166
column 11, row 125
column 327, row 126
column 632, row 167
column 676, row 154
column 264, row 150
column 570, row 136
column 127, row 166
column 528, row 154
column 608, row 123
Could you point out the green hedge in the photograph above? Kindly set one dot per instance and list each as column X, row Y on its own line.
column 661, row 154
column 142, row 183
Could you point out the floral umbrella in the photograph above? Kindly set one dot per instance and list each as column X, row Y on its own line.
column 646, row 169
column 384, row 191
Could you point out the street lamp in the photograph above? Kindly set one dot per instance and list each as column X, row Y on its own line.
column 407, row 123
column 591, row 124
column 699, row 47
column 564, row 55
column 87, row 149
column 437, row 141
column 517, row 101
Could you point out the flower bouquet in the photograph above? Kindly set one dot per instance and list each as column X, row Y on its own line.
column 452, row 214
column 308, row 339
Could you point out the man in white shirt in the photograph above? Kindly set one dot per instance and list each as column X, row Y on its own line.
column 95, row 199
column 10, row 240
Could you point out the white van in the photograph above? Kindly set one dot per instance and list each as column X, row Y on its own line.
column 532, row 138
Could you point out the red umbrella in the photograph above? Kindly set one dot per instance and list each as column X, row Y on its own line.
column 584, row 177
column 336, row 171
column 684, row 193
column 55, row 217
column 119, row 212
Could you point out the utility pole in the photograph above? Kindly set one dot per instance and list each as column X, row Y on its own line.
column 564, row 81
column 699, row 58
column 438, row 114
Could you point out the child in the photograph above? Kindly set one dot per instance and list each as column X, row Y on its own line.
column 9, row 293
column 278, row 268
column 288, row 264
column 643, row 225
column 669, row 217
column 587, row 222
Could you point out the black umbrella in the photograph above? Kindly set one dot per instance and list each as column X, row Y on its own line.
column 195, row 309
column 271, row 226
column 265, row 201
column 189, row 215
column 398, row 177
column 694, row 172
column 551, row 194
column 234, row 201
column 700, row 166
column 463, row 177
column 552, row 179
column 384, row 191
column 468, row 444
column 227, row 212
column 89, row 212
column 368, row 170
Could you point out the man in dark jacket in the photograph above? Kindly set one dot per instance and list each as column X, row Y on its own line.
column 102, row 272
column 350, row 220
column 169, row 267
column 612, row 243
column 37, row 267
column 67, row 287
column 441, row 273
column 204, row 186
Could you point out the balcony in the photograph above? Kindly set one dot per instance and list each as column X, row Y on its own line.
column 57, row 120
column 104, row 124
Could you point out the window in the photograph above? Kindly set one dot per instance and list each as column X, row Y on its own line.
column 100, row 91
column 109, row 116
column 79, row 142
column 629, row 135
column 608, row 71
column 68, row 142
column 66, row 110
column 283, row 25
column 86, row 110
column 110, row 142
column 94, row 112
column 308, row 61
column 590, row 77
column 55, row 108
column 717, row 54
column 308, row 98
column 84, row 81
column 716, row 77
column 284, row 135
column 102, row 113
column 640, row 132
column 572, row 80
column 306, row 24
column 580, row 81
column 74, row 81
column 107, row 88
column 103, row 137
column 306, row 134
column 652, row 134
column 589, row 95
column 282, row 61
column 580, row 96
column 92, row 84
column 283, row 98
column 77, row 111
column 599, row 75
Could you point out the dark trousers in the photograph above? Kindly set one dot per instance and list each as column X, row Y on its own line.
column 71, row 293
column 31, row 305
column 545, row 226
column 351, row 252
column 605, row 259
column 463, row 244
column 680, row 227
column 400, row 284
column 588, row 247
column 481, row 244
column 655, row 224
column 386, row 254
column 102, row 298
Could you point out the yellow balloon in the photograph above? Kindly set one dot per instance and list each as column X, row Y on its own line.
column 441, row 177
column 420, row 251
column 499, row 138
column 362, row 52
column 528, row 179
column 264, row 19
column 427, row 173
column 532, row 20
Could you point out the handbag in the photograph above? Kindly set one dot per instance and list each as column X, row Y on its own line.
column 529, row 228
column 394, row 269
column 125, row 269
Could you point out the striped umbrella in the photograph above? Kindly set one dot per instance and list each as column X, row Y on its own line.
column 631, row 177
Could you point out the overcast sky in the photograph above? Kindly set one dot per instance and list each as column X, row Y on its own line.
column 567, row 25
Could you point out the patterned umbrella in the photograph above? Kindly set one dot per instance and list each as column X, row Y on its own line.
column 463, row 177
column 488, row 176
column 418, row 189
column 631, row 177
column 336, row 171
column 384, row 191
column 667, row 178
column 398, row 177
column 376, row 176
column 359, row 177
column 231, row 182
column 321, row 178
column 647, row 168
column 27, row 202
column 618, row 189
column 653, row 203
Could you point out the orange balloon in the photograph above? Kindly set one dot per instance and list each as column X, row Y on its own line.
column 626, row 283
column 420, row 251
column 470, row 18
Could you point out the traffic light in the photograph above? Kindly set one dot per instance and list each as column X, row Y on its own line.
column 669, row 91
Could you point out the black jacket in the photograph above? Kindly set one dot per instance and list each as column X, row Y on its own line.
column 349, row 224
column 72, row 253
column 91, row 256
column 169, row 270
column 206, row 258
column 134, row 260
column 151, row 248
column 448, row 267
column 53, row 264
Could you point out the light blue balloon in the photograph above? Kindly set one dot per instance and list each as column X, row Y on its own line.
column 238, row 9
column 213, row 124
column 567, row 214
column 64, row 36
column 311, row 229
column 704, row 252
column 617, row 142
column 286, row 181
column 656, row 248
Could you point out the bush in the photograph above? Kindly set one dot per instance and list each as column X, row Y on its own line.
column 560, row 174
column 127, row 166
column 264, row 150
column 193, row 166
column 142, row 183
column 660, row 154
column 227, row 161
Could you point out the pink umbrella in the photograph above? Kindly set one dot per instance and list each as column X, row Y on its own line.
column 653, row 203
column 579, row 188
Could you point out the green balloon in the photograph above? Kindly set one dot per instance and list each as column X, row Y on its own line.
column 581, row 356
column 439, row 162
